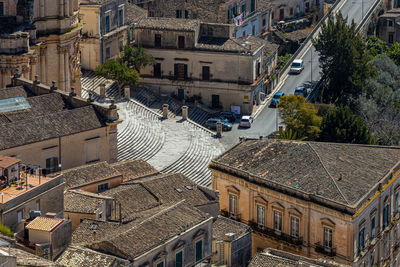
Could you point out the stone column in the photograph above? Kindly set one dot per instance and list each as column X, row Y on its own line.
column 219, row 129
column 185, row 112
column 43, row 65
column 66, row 69
column 102, row 90
column 127, row 92
column 41, row 9
column 62, row 8
column 32, row 62
column 66, row 7
column 61, row 74
column 165, row 111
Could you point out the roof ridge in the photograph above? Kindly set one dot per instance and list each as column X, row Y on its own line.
column 326, row 170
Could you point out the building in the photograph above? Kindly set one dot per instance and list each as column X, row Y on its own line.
column 231, row 243
column 389, row 26
column 14, row 257
column 338, row 201
column 284, row 10
column 55, row 130
column 40, row 38
column 277, row 258
column 192, row 59
column 9, row 170
column 45, row 236
column 104, row 31
column 84, row 257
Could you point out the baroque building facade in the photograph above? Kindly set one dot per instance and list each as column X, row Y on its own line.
column 40, row 37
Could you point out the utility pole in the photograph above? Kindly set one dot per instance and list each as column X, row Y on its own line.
column 311, row 63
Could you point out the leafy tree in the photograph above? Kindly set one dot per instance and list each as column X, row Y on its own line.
column 394, row 53
column 287, row 134
column 379, row 105
column 343, row 59
column 125, row 69
column 300, row 117
column 136, row 58
column 341, row 125
column 376, row 47
column 282, row 60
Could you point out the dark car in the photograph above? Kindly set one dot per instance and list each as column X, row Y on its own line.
column 230, row 116
column 301, row 90
column 275, row 99
column 212, row 124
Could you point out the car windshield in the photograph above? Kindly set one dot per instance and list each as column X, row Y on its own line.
column 296, row 64
column 299, row 90
column 245, row 120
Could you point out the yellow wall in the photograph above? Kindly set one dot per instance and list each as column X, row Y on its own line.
column 77, row 217
column 38, row 237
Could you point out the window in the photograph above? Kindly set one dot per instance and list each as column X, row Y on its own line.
column 121, row 46
column 52, row 164
column 233, row 204
column 291, row 11
column 178, row 14
column 386, row 215
column 160, row 264
column 258, row 68
column 396, row 203
column 210, row 31
column 390, row 38
column 102, row 187
column 206, row 73
column 179, row 259
column 264, row 22
column 390, row 23
column 92, row 147
column 180, row 71
column 1, row 8
column 186, row 14
column 253, row 30
column 307, row 7
column 107, row 23
column 157, row 40
column 328, row 237
column 108, row 53
column 277, row 220
column 260, row 214
column 120, row 17
column 373, row 228
column 20, row 214
column 361, row 240
column 199, row 250
column 38, row 204
column 244, row 33
column 253, row 5
column 294, row 226
column 243, row 9
column 181, row 42
column 157, row 70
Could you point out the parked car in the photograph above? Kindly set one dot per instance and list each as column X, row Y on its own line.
column 297, row 66
column 246, row 121
column 212, row 124
column 275, row 99
column 230, row 116
column 300, row 90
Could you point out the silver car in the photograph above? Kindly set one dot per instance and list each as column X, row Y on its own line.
column 246, row 121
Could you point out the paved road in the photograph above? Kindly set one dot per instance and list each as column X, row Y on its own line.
column 265, row 123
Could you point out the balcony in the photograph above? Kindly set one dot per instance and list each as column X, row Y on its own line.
column 297, row 241
column 232, row 216
column 331, row 252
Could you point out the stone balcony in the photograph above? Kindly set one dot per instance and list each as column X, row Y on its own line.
column 14, row 43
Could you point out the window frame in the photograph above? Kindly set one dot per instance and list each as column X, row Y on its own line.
column 121, row 16
column 264, row 208
column 180, row 250
column 103, row 187
column 107, row 22
column 108, row 53
column 195, row 249
column 328, row 243
column 1, row 8
column 297, row 227
column 373, row 227
column 38, row 204
column 361, row 239
column 235, row 198
column 386, row 215
column 205, row 75
column 19, row 220
column 157, row 40
column 396, row 203
column 276, row 213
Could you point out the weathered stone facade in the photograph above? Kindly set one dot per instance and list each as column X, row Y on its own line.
column 41, row 37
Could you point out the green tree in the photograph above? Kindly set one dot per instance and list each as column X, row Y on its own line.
column 376, row 47
column 300, row 117
column 136, row 57
column 379, row 105
column 287, row 134
column 282, row 60
column 341, row 125
column 394, row 53
column 343, row 59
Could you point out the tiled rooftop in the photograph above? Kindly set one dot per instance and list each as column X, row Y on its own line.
column 223, row 226
column 133, row 169
column 343, row 173
column 84, row 257
column 27, row 259
column 44, row 224
column 168, row 24
column 6, row 162
column 82, row 201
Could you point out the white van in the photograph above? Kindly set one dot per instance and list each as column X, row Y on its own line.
column 297, row 66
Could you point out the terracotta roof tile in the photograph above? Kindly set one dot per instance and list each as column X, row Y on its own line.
column 6, row 162
column 44, row 224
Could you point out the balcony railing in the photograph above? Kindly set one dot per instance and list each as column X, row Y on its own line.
column 232, row 216
column 298, row 241
column 331, row 252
